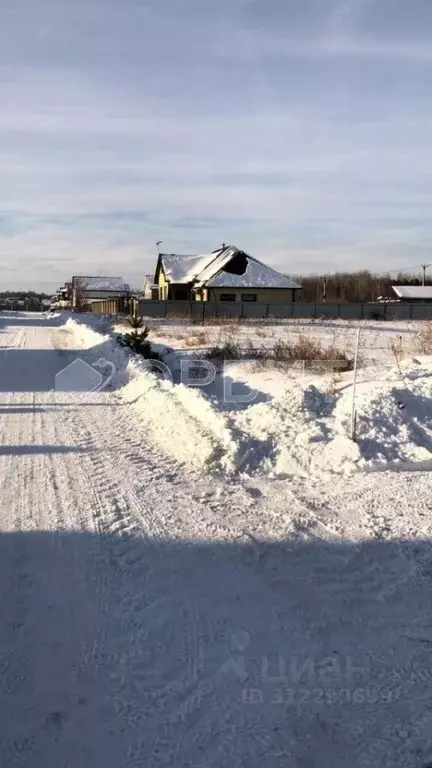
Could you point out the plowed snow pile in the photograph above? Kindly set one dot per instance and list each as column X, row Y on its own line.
column 182, row 420
column 308, row 430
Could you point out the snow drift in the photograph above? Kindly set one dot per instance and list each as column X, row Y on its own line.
column 309, row 430
column 180, row 419
column 305, row 430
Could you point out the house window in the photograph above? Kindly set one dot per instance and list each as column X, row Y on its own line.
column 249, row 297
column 227, row 297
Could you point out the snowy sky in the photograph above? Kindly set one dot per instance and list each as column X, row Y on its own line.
column 300, row 130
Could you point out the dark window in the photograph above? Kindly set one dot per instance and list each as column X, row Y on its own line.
column 227, row 297
column 249, row 297
column 181, row 294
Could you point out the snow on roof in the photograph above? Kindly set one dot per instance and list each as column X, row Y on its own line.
column 257, row 275
column 221, row 258
column 184, row 269
column 413, row 291
column 206, row 270
column 102, row 283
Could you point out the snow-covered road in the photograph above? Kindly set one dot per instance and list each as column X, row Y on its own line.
column 155, row 615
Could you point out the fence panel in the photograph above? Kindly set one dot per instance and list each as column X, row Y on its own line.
column 209, row 309
column 176, row 307
column 351, row 311
column 303, row 309
column 254, row 309
column 105, row 307
column 198, row 310
column 398, row 311
column 229, row 309
column 153, row 308
column 222, row 309
column 374, row 311
column 280, row 310
column 327, row 310
column 421, row 311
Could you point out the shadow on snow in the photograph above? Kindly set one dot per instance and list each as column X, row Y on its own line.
column 120, row 650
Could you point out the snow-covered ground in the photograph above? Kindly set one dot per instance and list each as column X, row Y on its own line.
column 377, row 338
column 188, row 584
column 378, row 341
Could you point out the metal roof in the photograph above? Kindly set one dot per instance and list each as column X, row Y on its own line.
column 184, row 269
column 413, row 292
column 99, row 283
column 257, row 275
column 208, row 269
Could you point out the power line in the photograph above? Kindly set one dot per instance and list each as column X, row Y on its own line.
column 412, row 268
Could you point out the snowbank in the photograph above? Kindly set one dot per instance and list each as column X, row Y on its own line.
column 305, row 429
column 181, row 419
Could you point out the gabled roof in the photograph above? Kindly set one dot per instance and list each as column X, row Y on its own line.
column 257, row 275
column 101, row 283
column 208, row 269
column 181, row 268
column 413, row 291
column 220, row 259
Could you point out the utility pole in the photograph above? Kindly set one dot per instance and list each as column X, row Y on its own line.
column 353, row 410
column 424, row 267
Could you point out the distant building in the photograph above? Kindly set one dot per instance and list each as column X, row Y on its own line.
column 413, row 292
column 150, row 289
column 227, row 274
column 86, row 289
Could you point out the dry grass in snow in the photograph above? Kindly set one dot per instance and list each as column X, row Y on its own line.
column 283, row 353
column 424, row 339
column 378, row 339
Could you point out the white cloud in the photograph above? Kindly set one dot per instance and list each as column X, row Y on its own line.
column 301, row 134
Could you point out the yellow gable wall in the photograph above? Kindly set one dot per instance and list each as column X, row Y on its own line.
column 162, row 285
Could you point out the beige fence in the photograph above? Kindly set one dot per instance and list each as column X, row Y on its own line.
column 124, row 306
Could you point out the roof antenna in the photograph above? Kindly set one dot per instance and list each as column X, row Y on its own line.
column 158, row 243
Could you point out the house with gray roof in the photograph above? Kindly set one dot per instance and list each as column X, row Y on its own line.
column 86, row 289
column 227, row 274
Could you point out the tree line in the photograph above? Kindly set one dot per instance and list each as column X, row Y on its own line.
column 353, row 286
column 23, row 295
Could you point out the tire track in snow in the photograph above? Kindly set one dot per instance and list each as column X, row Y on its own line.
column 17, row 588
column 120, row 519
column 182, row 679
column 181, row 696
